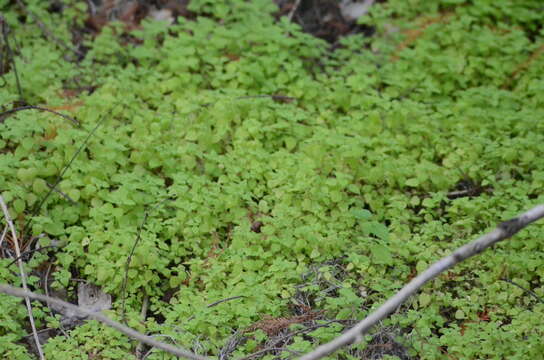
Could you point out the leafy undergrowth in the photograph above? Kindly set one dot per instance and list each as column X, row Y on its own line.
column 314, row 205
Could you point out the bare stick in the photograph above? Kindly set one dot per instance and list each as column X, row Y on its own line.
column 3, row 235
column 503, row 231
column 143, row 315
column 23, row 276
column 293, row 10
column 10, row 290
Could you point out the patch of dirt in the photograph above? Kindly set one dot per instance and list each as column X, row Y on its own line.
column 326, row 19
column 329, row 20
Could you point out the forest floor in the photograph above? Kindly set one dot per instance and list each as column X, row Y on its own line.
column 248, row 179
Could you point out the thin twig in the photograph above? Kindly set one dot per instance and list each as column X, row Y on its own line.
column 526, row 290
column 24, row 253
column 154, row 350
column 46, row 279
column 273, row 344
column 503, row 231
column 65, row 169
column 224, row 300
column 232, row 343
column 3, row 235
column 179, row 352
column 143, row 315
column 70, row 200
column 301, row 331
column 217, row 303
column 129, row 259
column 32, row 107
column 293, row 10
column 11, row 56
column 284, row 98
column 23, row 276
column 264, row 351
column 46, row 31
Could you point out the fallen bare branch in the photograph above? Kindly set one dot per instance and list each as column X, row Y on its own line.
column 503, row 231
column 10, row 290
column 23, row 276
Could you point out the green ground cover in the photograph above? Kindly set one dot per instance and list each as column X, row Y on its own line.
column 330, row 199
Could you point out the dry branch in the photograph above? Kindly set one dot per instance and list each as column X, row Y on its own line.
column 10, row 290
column 23, row 276
column 355, row 334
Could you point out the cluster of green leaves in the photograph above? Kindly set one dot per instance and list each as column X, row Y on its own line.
column 356, row 168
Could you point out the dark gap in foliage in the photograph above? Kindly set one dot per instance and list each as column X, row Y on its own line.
column 384, row 342
column 323, row 19
column 156, row 316
column 467, row 187
column 55, row 6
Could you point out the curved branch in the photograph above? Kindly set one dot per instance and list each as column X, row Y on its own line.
column 32, row 107
column 10, row 290
column 503, row 231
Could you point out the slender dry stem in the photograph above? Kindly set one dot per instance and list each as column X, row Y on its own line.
column 179, row 352
column 23, row 276
column 355, row 334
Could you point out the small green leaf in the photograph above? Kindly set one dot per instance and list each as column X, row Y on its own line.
column 459, row 314
column 73, row 194
column 428, row 203
column 381, row 254
column 19, row 206
column 39, row 186
column 377, row 229
column 424, row 299
column 361, row 214
column 174, row 281
column 413, row 182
